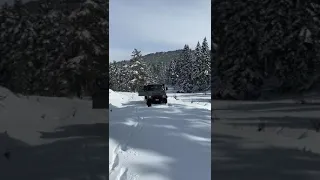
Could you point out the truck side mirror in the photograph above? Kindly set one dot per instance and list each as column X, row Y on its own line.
column 166, row 88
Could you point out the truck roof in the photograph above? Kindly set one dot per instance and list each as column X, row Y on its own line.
column 154, row 85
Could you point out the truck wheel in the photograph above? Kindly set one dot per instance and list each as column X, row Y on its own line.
column 165, row 100
column 149, row 102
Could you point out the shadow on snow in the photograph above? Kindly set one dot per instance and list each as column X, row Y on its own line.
column 231, row 160
column 81, row 153
column 263, row 164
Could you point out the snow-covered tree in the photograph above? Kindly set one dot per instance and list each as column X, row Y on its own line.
column 199, row 73
column 141, row 74
column 206, row 63
column 53, row 49
column 263, row 41
column 172, row 75
column 179, row 72
column 184, row 70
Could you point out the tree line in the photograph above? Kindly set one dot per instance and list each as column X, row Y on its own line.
column 189, row 72
column 53, row 48
column 265, row 48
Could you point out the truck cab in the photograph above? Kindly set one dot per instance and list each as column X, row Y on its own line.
column 154, row 93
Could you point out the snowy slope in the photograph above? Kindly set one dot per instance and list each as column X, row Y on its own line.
column 162, row 142
column 288, row 148
column 48, row 138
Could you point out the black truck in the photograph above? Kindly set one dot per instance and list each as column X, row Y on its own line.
column 154, row 93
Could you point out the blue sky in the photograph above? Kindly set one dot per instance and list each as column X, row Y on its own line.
column 156, row 25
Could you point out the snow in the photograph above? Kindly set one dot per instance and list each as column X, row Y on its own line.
column 84, row 34
column 77, row 59
column 95, row 5
column 75, row 14
column 97, row 50
column 288, row 148
column 104, row 23
column 72, row 15
column 161, row 142
column 65, row 138
column 53, row 14
column 59, row 138
column 83, row 12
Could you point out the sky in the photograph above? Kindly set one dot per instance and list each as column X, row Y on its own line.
column 156, row 25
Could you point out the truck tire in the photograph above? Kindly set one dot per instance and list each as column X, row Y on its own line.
column 165, row 100
column 149, row 102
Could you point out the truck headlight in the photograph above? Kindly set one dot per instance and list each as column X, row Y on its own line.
column 164, row 96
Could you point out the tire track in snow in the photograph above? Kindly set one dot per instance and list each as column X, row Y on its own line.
column 138, row 127
column 123, row 147
column 114, row 162
column 123, row 174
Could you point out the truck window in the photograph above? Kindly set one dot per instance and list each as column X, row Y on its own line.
column 154, row 87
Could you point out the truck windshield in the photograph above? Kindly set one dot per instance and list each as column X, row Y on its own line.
column 154, row 87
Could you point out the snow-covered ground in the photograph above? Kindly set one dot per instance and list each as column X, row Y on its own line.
column 60, row 138
column 52, row 138
column 289, row 148
column 162, row 142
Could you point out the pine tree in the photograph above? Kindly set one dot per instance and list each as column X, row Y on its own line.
column 162, row 73
column 206, row 63
column 112, row 75
column 172, row 72
column 184, row 70
column 89, row 41
column 140, row 71
column 45, row 47
column 198, row 79
column 272, row 47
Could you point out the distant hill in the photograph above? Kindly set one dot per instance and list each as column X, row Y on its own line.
column 165, row 57
column 159, row 57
